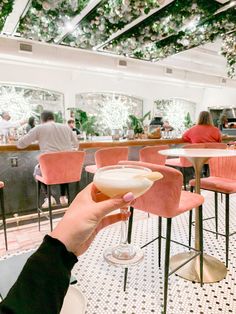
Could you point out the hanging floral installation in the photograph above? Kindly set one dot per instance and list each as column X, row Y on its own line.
column 167, row 30
column 184, row 25
column 229, row 51
column 45, row 20
column 6, row 7
column 107, row 19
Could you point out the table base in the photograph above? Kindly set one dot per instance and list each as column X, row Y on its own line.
column 213, row 269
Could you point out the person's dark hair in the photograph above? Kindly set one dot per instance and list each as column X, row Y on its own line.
column 205, row 118
column 31, row 121
column 3, row 112
column 71, row 121
column 47, row 116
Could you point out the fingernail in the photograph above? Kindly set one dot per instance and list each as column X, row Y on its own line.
column 128, row 197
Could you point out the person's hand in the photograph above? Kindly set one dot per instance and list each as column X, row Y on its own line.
column 86, row 216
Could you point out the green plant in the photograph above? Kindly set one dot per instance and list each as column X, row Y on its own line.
column 84, row 122
column 89, row 126
column 58, row 117
column 137, row 124
column 188, row 121
column 81, row 117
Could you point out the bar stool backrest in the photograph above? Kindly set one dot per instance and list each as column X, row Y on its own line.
column 223, row 167
column 110, row 156
column 61, row 167
column 187, row 163
column 150, row 154
column 163, row 197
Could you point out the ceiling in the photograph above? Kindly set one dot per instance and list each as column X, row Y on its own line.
column 163, row 31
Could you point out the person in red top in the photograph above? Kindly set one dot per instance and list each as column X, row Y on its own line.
column 204, row 131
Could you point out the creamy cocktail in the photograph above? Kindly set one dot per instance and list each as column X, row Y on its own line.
column 118, row 180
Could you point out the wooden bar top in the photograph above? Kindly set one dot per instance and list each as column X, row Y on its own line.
column 108, row 143
column 98, row 144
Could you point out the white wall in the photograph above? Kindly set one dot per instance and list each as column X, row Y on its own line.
column 71, row 82
column 71, row 71
column 222, row 97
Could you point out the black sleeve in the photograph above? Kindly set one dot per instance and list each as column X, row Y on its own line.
column 43, row 282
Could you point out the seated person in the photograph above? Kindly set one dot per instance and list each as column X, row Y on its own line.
column 204, row 131
column 71, row 124
column 166, row 126
column 52, row 137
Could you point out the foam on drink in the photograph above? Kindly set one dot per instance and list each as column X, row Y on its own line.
column 119, row 181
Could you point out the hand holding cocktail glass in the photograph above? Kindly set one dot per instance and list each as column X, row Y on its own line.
column 118, row 180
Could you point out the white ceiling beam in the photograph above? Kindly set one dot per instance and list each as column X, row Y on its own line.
column 226, row 7
column 19, row 9
column 132, row 24
column 75, row 21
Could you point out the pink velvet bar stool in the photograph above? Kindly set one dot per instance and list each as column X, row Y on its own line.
column 3, row 213
column 150, row 154
column 108, row 157
column 222, row 179
column 58, row 168
column 167, row 200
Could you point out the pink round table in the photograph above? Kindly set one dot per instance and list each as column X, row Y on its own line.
column 213, row 269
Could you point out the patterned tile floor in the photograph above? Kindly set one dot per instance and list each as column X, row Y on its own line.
column 103, row 284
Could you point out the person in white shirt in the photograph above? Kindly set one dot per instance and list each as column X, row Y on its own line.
column 6, row 124
column 52, row 137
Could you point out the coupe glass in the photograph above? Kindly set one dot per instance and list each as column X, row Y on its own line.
column 118, row 180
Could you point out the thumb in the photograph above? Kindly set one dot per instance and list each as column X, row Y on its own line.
column 116, row 202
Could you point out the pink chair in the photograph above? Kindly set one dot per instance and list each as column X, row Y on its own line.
column 58, row 168
column 108, row 157
column 183, row 163
column 222, row 179
column 150, row 154
column 3, row 213
column 167, row 200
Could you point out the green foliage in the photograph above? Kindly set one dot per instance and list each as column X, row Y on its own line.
column 5, row 9
column 47, row 19
column 167, row 32
column 90, row 126
column 85, row 123
column 58, row 117
column 80, row 118
column 188, row 121
column 137, row 124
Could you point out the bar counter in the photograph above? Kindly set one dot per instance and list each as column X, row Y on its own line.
column 17, row 166
column 100, row 144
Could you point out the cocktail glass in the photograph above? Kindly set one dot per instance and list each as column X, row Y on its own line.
column 118, row 180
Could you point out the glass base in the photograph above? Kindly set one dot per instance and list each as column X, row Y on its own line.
column 123, row 255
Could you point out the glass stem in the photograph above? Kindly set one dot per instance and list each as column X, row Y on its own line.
column 124, row 227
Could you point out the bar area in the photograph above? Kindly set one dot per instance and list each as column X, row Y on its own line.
column 117, row 157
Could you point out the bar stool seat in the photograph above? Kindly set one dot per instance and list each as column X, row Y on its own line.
column 221, row 185
column 2, row 207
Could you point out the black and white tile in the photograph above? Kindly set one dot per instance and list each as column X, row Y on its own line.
column 103, row 284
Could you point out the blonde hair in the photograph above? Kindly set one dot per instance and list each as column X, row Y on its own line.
column 205, row 118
